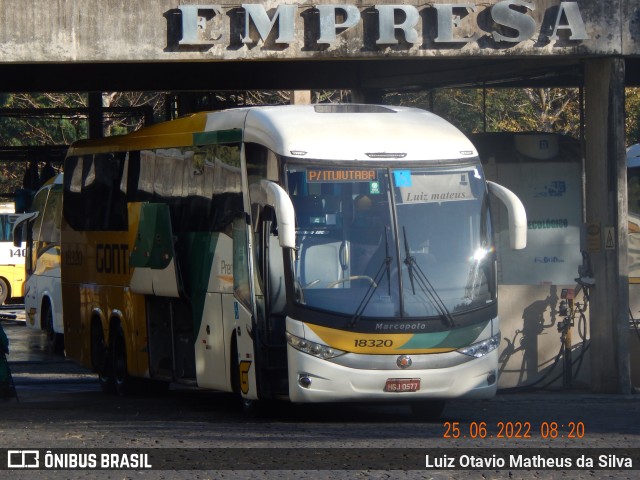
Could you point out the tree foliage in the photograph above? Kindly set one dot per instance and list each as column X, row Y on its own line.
column 632, row 120
column 472, row 110
column 47, row 119
column 554, row 110
column 502, row 110
column 120, row 123
column 29, row 128
column 222, row 99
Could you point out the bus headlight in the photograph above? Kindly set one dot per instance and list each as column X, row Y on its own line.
column 482, row 348
column 316, row 349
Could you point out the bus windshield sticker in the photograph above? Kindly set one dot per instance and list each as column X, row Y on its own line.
column 402, row 178
column 335, row 175
column 452, row 187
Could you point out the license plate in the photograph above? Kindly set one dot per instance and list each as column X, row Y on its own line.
column 402, row 385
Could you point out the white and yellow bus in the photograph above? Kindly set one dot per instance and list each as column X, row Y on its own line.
column 11, row 256
column 39, row 232
column 318, row 253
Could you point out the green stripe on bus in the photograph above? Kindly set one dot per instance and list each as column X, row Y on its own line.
column 200, row 248
column 457, row 338
column 216, row 137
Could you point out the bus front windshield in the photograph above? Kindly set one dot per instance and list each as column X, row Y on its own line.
column 375, row 242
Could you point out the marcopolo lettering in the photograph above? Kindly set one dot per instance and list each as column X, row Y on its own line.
column 401, row 326
column 511, row 22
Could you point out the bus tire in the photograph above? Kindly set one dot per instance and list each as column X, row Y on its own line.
column 122, row 380
column 101, row 359
column 428, row 410
column 55, row 341
column 4, row 291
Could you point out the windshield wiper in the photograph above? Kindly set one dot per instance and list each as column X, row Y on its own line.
column 425, row 285
column 368, row 295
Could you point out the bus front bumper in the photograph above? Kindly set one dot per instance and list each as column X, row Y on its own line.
column 312, row 379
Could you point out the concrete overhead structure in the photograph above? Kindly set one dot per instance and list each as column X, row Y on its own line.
column 138, row 44
column 171, row 30
column 183, row 45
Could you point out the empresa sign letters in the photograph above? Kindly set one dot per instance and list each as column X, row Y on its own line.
column 445, row 25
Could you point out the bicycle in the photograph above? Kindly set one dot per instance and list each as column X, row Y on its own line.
column 569, row 309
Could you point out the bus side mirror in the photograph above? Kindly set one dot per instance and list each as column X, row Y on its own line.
column 285, row 215
column 516, row 212
column 19, row 226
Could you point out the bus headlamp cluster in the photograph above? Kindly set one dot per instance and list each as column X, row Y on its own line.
column 482, row 348
column 316, row 349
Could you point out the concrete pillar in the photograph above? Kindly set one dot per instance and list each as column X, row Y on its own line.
column 96, row 120
column 607, row 230
column 300, row 97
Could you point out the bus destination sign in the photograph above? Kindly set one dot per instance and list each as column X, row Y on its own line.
column 327, row 175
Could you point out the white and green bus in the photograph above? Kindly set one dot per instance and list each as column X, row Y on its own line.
column 318, row 253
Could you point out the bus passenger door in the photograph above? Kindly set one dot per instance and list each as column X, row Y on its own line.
column 243, row 308
column 271, row 312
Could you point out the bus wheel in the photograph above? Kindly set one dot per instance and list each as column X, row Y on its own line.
column 101, row 360
column 428, row 410
column 123, row 382
column 4, row 291
column 55, row 341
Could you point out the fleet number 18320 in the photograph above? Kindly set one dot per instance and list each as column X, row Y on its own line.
column 373, row 342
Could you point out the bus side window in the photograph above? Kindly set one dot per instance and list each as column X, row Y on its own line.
column 269, row 262
column 91, row 181
column 6, row 228
column 50, row 230
column 109, row 170
column 38, row 205
column 241, row 280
